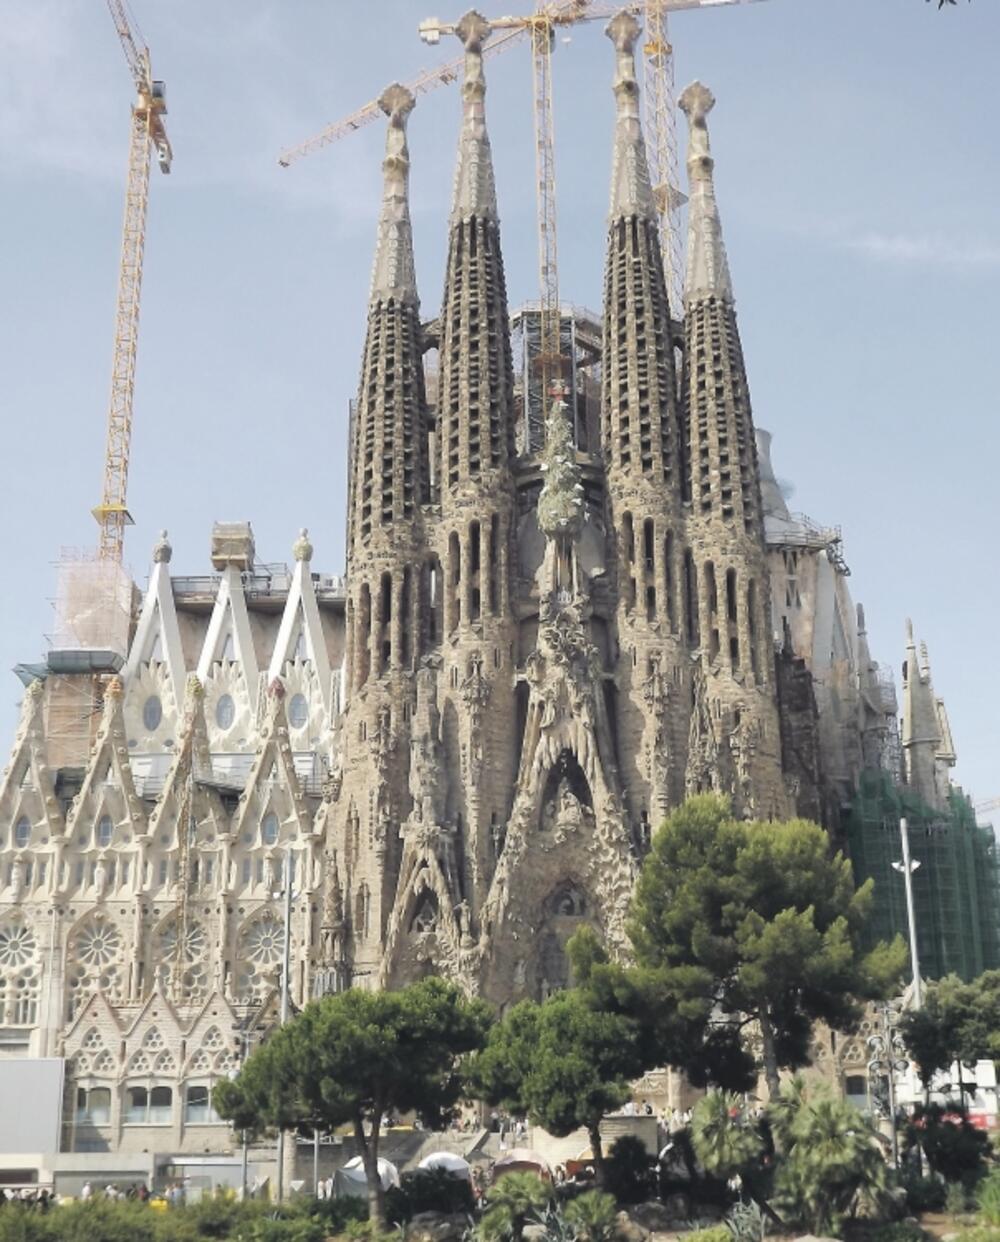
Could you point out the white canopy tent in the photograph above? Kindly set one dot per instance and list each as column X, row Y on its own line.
column 351, row 1180
column 447, row 1160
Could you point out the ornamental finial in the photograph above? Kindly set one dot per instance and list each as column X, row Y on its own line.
column 162, row 551
column 302, row 549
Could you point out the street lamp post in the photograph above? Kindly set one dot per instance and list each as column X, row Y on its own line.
column 889, row 1058
column 907, row 866
column 286, row 989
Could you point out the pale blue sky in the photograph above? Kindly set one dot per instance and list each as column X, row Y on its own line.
column 858, row 176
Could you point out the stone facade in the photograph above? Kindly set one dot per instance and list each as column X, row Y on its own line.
column 456, row 754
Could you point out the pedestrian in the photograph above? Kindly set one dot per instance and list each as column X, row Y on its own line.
column 87, row 1191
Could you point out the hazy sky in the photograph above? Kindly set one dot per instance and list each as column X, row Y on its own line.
column 858, row 173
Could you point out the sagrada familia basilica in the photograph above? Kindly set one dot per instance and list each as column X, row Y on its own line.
column 456, row 753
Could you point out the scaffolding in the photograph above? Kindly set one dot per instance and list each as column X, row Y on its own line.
column 580, row 334
column 956, row 888
column 93, row 608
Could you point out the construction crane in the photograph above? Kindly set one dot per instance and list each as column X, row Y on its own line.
column 147, row 134
column 990, row 804
column 660, row 114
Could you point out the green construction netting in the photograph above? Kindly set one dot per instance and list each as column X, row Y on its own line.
column 956, row 888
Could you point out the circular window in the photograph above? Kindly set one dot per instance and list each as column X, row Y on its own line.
column 152, row 713
column 22, row 832
column 104, row 830
column 298, row 711
column 225, row 712
column 269, row 828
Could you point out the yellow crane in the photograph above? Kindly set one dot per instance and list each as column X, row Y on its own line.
column 660, row 127
column 147, row 134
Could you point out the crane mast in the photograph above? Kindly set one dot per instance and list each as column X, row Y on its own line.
column 146, row 134
column 549, row 357
column 661, row 146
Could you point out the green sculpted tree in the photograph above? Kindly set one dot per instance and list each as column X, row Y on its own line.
column 762, row 923
column 563, row 1062
column 354, row 1057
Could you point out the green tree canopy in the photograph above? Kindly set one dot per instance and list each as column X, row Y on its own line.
column 565, row 1063
column 760, row 922
column 354, row 1057
column 957, row 1022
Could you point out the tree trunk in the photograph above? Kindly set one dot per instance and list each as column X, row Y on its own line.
column 368, row 1147
column 597, row 1151
column 770, row 1055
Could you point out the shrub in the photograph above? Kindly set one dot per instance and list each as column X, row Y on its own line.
column 431, row 1190
column 337, row 1214
column 746, row 1222
column 982, row 1233
column 628, row 1171
column 104, row 1220
column 724, row 1137
column 988, row 1199
column 714, row 1233
column 24, row 1224
column 956, row 1199
column 830, row 1164
column 283, row 1229
column 593, row 1216
column 923, row 1194
column 900, row 1231
column 954, row 1148
column 512, row 1199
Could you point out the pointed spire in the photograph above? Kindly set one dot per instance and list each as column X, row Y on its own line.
column 475, row 189
column 922, row 739
column 631, row 190
column 707, row 267
column 393, row 275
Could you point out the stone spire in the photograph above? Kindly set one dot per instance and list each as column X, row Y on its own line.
column 640, row 420
column 631, row 191
column 475, row 191
column 707, row 266
column 722, row 477
column 476, row 415
column 393, row 274
column 927, row 745
column 388, row 476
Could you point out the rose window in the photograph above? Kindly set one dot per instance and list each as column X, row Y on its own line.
column 98, row 944
column 265, row 940
column 195, row 943
column 17, row 945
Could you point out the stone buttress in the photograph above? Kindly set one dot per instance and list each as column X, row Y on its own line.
column 734, row 742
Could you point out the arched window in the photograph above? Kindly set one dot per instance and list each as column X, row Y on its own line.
column 136, row 1105
column 93, row 1106
column 149, row 1106
column 225, row 712
column 161, row 1106
column 22, row 832
column 298, row 711
column 152, row 713
column 269, row 828
column 105, row 831
column 198, row 1108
